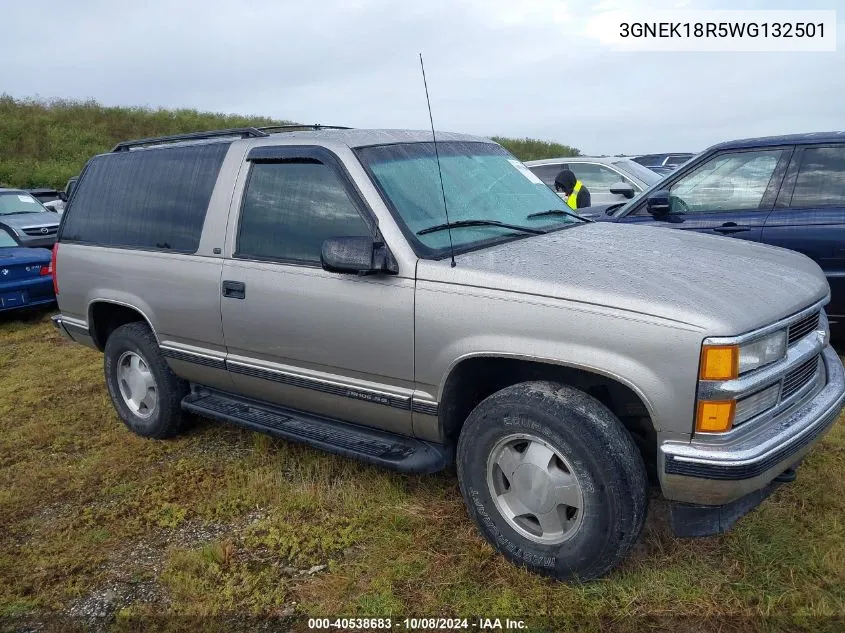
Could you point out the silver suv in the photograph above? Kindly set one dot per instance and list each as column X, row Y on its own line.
column 306, row 284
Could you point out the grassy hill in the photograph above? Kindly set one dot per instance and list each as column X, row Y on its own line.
column 43, row 143
column 534, row 149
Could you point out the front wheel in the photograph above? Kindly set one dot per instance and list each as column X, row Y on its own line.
column 553, row 480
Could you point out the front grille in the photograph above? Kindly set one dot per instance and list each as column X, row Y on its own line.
column 36, row 231
column 798, row 378
column 802, row 328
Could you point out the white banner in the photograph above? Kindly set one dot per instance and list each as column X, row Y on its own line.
column 716, row 30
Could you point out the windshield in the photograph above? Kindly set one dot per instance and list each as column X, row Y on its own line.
column 6, row 240
column 638, row 171
column 12, row 202
column 482, row 181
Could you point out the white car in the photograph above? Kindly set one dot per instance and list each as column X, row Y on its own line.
column 52, row 199
column 609, row 179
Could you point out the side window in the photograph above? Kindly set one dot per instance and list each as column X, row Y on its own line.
column 726, row 182
column 290, row 208
column 595, row 177
column 547, row 173
column 821, row 178
column 152, row 199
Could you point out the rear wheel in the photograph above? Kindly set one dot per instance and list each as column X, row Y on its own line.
column 553, row 480
column 144, row 390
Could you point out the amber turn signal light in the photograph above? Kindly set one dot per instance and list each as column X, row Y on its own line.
column 715, row 417
column 719, row 362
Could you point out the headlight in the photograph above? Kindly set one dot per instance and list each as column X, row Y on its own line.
column 763, row 351
column 721, row 416
column 755, row 404
column 726, row 362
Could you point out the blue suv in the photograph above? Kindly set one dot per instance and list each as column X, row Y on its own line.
column 787, row 191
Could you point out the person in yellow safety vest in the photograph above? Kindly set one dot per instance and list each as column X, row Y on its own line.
column 577, row 195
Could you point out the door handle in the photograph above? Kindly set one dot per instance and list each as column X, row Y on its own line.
column 234, row 289
column 730, row 227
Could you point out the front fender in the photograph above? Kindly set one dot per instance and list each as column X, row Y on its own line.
column 655, row 358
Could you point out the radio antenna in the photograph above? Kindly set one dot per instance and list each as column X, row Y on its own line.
column 437, row 156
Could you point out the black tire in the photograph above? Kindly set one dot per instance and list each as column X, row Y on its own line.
column 601, row 455
column 166, row 418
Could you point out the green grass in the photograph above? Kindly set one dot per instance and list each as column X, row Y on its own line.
column 535, row 149
column 43, row 143
column 47, row 142
column 225, row 524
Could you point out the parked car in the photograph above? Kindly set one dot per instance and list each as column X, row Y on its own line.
column 609, row 180
column 25, row 275
column 663, row 163
column 52, row 199
column 71, row 183
column 787, row 191
column 308, row 285
column 27, row 219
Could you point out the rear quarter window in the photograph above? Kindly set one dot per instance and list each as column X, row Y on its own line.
column 153, row 199
column 821, row 178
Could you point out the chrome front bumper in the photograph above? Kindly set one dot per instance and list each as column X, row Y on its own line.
column 716, row 472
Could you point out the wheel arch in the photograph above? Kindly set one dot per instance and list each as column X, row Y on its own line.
column 474, row 377
column 106, row 315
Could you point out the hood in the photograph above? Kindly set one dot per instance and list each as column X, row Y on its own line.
column 597, row 211
column 726, row 286
column 19, row 221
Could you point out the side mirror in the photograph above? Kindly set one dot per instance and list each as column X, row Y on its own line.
column 623, row 189
column 658, row 203
column 358, row 256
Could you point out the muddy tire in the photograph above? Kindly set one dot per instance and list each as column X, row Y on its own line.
column 553, row 480
column 143, row 389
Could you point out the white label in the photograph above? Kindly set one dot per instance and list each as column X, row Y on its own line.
column 647, row 29
column 522, row 169
column 28, row 199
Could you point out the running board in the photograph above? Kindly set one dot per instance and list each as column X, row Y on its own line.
column 398, row 452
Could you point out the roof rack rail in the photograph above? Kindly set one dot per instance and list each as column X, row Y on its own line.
column 298, row 126
column 243, row 132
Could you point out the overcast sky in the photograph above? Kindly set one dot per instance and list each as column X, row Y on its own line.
column 495, row 67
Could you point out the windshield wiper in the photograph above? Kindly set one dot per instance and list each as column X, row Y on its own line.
column 20, row 212
column 540, row 214
column 460, row 223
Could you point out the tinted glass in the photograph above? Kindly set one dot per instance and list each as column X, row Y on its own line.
column 46, row 197
column 149, row 199
column 650, row 159
column 677, row 159
column 482, row 182
column 642, row 173
column 17, row 202
column 595, row 177
column 547, row 173
column 821, row 178
column 735, row 181
column 291, row 208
